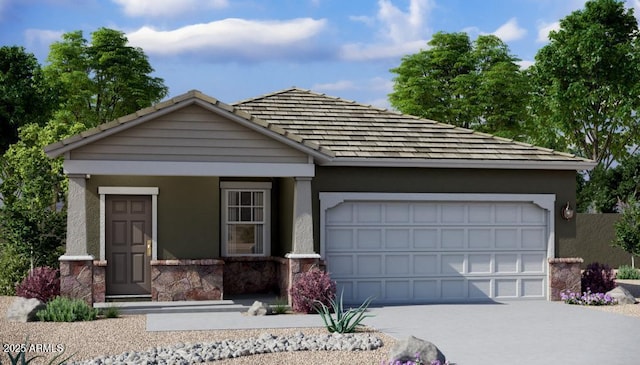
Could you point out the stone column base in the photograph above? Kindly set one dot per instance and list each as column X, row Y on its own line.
column 298, row 264
column 564, row 275
column 173, row 280
column 99, row 283
column 76, row 277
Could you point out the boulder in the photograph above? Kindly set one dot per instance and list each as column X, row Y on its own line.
column 24, row 310
column 259, row 309
column 622, row 295
column 407, row 349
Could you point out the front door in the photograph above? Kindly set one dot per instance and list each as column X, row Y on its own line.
column 128, row 244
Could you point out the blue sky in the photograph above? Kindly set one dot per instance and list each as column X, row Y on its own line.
column 237, row 49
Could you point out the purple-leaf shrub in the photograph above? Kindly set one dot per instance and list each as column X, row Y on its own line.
column 309, row 287
column 598, row 278
column 43, row 283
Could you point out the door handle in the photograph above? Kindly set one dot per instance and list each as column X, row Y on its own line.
column 148, row 247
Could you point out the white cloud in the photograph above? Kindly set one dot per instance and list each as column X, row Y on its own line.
column 382, row 103
column 544, row 29
column 401, row 32
column 510, row 31
column 233, row 38
column 525, row 64
column 335, row 86
column 373, row 84
column 158, row 8
column 41, row 37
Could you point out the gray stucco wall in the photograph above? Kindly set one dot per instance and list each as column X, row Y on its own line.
column 423, row 180
column 594, row 233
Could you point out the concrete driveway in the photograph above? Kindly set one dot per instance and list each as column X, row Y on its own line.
column 518, row 333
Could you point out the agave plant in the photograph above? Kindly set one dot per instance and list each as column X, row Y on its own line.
column 337, row 320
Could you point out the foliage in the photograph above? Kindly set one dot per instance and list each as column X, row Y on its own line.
column 43, row 283
column 63, row 309
column 468, row 84
column 598, row 278
column 587, row 82
column 343, row 322
column 21, row 357
column 14, row 265
column 587, row 298
column 626, row 272
column 25, row 96
column 310, row 287
column 110, row 312
column 628, row 227
column 280, row 306
column 604, row 189
column 104, row 79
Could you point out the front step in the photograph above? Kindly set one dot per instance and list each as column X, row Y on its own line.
column 175, row 307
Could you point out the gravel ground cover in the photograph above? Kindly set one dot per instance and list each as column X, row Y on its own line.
column 128, row 333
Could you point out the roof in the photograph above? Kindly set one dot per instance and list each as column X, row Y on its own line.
column 342, row 132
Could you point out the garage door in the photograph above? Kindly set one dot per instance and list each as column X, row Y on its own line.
column 437, row 251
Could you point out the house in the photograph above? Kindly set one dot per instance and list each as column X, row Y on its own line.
column 196, row 199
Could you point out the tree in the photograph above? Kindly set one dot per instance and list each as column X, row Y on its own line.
column 468, row 84
column 607, row 187
column 588, row 80
column 102, row 80
column 25, row 96
column 628, row 228
column 98, row 82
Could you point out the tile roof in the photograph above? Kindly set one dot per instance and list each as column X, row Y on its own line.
column 337, row 131
column 354, row 131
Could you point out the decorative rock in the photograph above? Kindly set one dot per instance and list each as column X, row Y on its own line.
column 259, row 309
column 24, row 310
column 622, row 295
column 406, row 350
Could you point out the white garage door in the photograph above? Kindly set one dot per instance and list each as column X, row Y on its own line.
column 437, row 251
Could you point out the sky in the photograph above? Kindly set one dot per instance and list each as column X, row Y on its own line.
column 238, row 49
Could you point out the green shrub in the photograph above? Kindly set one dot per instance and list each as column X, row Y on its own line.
column 63, row 309
column 341, row 321
column 14, row 266
column 280, row 306
column 626, row 272
column 111, row 312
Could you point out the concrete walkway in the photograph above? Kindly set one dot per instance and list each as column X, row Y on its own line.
column 522, row 333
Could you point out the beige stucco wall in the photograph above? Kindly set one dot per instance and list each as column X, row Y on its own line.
column 594, row 233
column 423, row 180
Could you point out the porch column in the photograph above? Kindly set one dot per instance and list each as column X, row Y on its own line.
column 302, row 239
column 76, row 217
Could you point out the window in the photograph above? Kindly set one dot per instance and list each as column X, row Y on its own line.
column 245, row 214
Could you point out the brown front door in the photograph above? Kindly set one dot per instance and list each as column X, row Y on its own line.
column 128, row 244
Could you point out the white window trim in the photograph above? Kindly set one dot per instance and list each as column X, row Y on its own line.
column 247, row 186
column 103, row 191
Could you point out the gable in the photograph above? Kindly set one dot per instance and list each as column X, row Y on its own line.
column 192, row 134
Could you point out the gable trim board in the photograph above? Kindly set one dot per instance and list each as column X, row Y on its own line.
column 183, row 168
column 394, row 271
column 103, row 191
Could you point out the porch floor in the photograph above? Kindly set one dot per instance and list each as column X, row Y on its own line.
column 235, row 303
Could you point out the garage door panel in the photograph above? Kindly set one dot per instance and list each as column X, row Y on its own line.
column 369, row 213
column 368, row 265
column 452, row 238
column 397, row 290
column 398, row 264
column 479, row 263
column 369, row 238
column 425, row 238
column 398, row 238
column 452, row 264
column 339, row 239
column 437, row 251
column 425, row 264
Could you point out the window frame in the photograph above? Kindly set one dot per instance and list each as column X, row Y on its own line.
column 245, row 186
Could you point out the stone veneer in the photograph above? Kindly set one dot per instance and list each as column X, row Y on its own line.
column 173, row 280
column 99, row 283
column 76, row 279
column 252, row 275
column 298, row 266
column 564, row 275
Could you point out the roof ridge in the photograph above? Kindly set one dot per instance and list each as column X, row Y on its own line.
column 266, row 95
